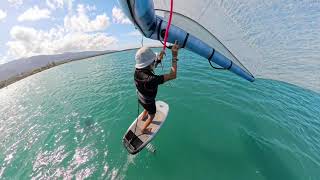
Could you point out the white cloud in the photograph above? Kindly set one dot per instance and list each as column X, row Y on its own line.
column 55, row 4
column 3, row 15
column 119, row 17
column 50, row 4
column 3, row 59
column 81, row 22
column 79, row 33
column 29, row 41
column 85, row 42
column 91, row 8
column 15, row 2
column 34, row 14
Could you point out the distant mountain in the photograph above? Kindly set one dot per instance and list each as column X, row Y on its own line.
column 25, row 65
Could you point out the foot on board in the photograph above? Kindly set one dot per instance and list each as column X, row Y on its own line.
column 146, row 131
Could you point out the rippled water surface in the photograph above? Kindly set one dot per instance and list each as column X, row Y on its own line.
column 68, row 122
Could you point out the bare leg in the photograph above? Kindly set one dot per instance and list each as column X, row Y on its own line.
column 147, row 123
column 142, row 115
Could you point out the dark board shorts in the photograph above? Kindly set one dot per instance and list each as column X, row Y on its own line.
column 150, row 107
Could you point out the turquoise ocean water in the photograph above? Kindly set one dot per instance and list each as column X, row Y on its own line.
column 68, row 122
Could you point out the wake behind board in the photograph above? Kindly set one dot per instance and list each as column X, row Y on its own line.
column 133, row 140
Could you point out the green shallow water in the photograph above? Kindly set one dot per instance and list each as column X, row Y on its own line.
column 68, row 122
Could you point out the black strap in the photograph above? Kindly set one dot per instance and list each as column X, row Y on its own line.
column 162, row 33
column 185, row 40
column 215, row 67
column 209, row 59
column 211, row 54
column 230, row 65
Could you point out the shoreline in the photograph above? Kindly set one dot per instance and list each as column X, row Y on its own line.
column 18, row 77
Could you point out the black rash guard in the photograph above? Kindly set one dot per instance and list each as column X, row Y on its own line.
column 147, row 85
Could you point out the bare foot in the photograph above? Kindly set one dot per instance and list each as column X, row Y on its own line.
column 146, row 131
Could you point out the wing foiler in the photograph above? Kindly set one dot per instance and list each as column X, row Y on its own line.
column 142, row 14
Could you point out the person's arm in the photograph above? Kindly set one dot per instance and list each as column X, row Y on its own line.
column 173, row 72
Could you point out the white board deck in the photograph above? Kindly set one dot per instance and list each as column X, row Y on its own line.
column 133, row 140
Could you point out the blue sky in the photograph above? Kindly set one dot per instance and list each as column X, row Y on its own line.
column 33, row 27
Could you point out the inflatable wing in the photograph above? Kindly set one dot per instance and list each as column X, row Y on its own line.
column 142, row 14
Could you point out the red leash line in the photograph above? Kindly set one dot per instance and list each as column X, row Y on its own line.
column 168, row 26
